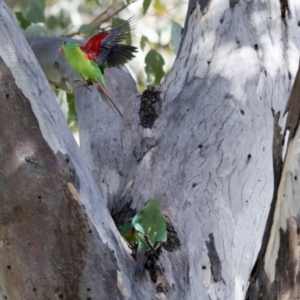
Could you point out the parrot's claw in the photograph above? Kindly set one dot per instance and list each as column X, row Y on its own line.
column 84, row 83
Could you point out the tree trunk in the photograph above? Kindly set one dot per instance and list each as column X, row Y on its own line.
column 206, row 144
column 276, row 273
column 57, row 238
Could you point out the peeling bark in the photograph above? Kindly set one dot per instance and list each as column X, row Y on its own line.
column 276, row 275
column 293, row 108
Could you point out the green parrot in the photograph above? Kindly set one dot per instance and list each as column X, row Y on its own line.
column 151, row 229
column 87, row 69
column 101, row 51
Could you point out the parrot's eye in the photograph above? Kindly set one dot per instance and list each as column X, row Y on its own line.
column 64, row 42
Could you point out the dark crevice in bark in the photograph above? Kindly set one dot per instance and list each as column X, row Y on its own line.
column 146, row 144
column 204, row 5
column 216, row 265
column 284, row 8
column 121, row 215
column 173, row 242
column 232, row 3
column 150, row 106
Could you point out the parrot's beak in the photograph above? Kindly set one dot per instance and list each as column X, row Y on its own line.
column 61, row 49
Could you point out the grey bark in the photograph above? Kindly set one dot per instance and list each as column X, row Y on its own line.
column 207, row 156
column 276, row 274
column 57, row 238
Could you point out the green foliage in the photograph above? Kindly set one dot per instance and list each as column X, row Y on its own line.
column 175, row 35
column 143, row 42
column 66, row 102
column 146, row 5
column 154, row 66
column 116, row 22
column 71, row 119
column 160, row 7
column 24, row 23
column 35, row 29
column 86, row 29
column 62, row 101
column 32, row 12
column 35, row 11
column 61, row 21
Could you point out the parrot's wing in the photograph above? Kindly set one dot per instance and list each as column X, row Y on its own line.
column 112, row 52
column 116, row 56
column 93, row 45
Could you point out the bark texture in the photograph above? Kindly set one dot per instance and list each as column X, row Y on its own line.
column 277, row 274
column 210, row 155
column 57, row 238
column 202, row 143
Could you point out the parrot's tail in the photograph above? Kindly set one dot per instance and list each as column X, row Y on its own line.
column 141, row 259
column 102, row 88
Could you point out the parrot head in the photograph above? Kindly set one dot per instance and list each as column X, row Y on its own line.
column 65, row 45
column 128, row 231
column 153, row 203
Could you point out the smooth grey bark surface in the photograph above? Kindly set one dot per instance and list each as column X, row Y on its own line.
column 208, row 156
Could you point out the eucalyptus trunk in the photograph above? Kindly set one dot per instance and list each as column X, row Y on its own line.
column 206, row 144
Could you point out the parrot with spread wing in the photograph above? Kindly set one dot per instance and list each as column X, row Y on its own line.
column 105, row 48
column 100, row 52
column 151, row 229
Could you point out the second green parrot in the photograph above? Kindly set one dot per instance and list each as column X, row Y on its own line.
column 151, row 229
column 148, row 229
